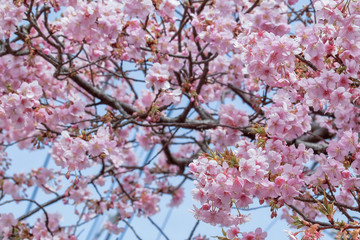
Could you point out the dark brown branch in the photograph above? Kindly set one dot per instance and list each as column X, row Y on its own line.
column 158, row 228
column 181, row 163
column 302, row 199
column 132, row 229
column 41, row 207
column 301, row 58
column 333, row 198
column 193, row 230
column 244, row 98
column 201, row 7
column 308, row 219
column 256, row 3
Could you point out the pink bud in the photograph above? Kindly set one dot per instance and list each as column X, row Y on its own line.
column 201, row 99
column 46, row 51
column 345, row 174
column 206, row 206
column 279, row 181
column 113, row 197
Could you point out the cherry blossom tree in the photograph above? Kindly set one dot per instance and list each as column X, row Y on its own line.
column 255, row 101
